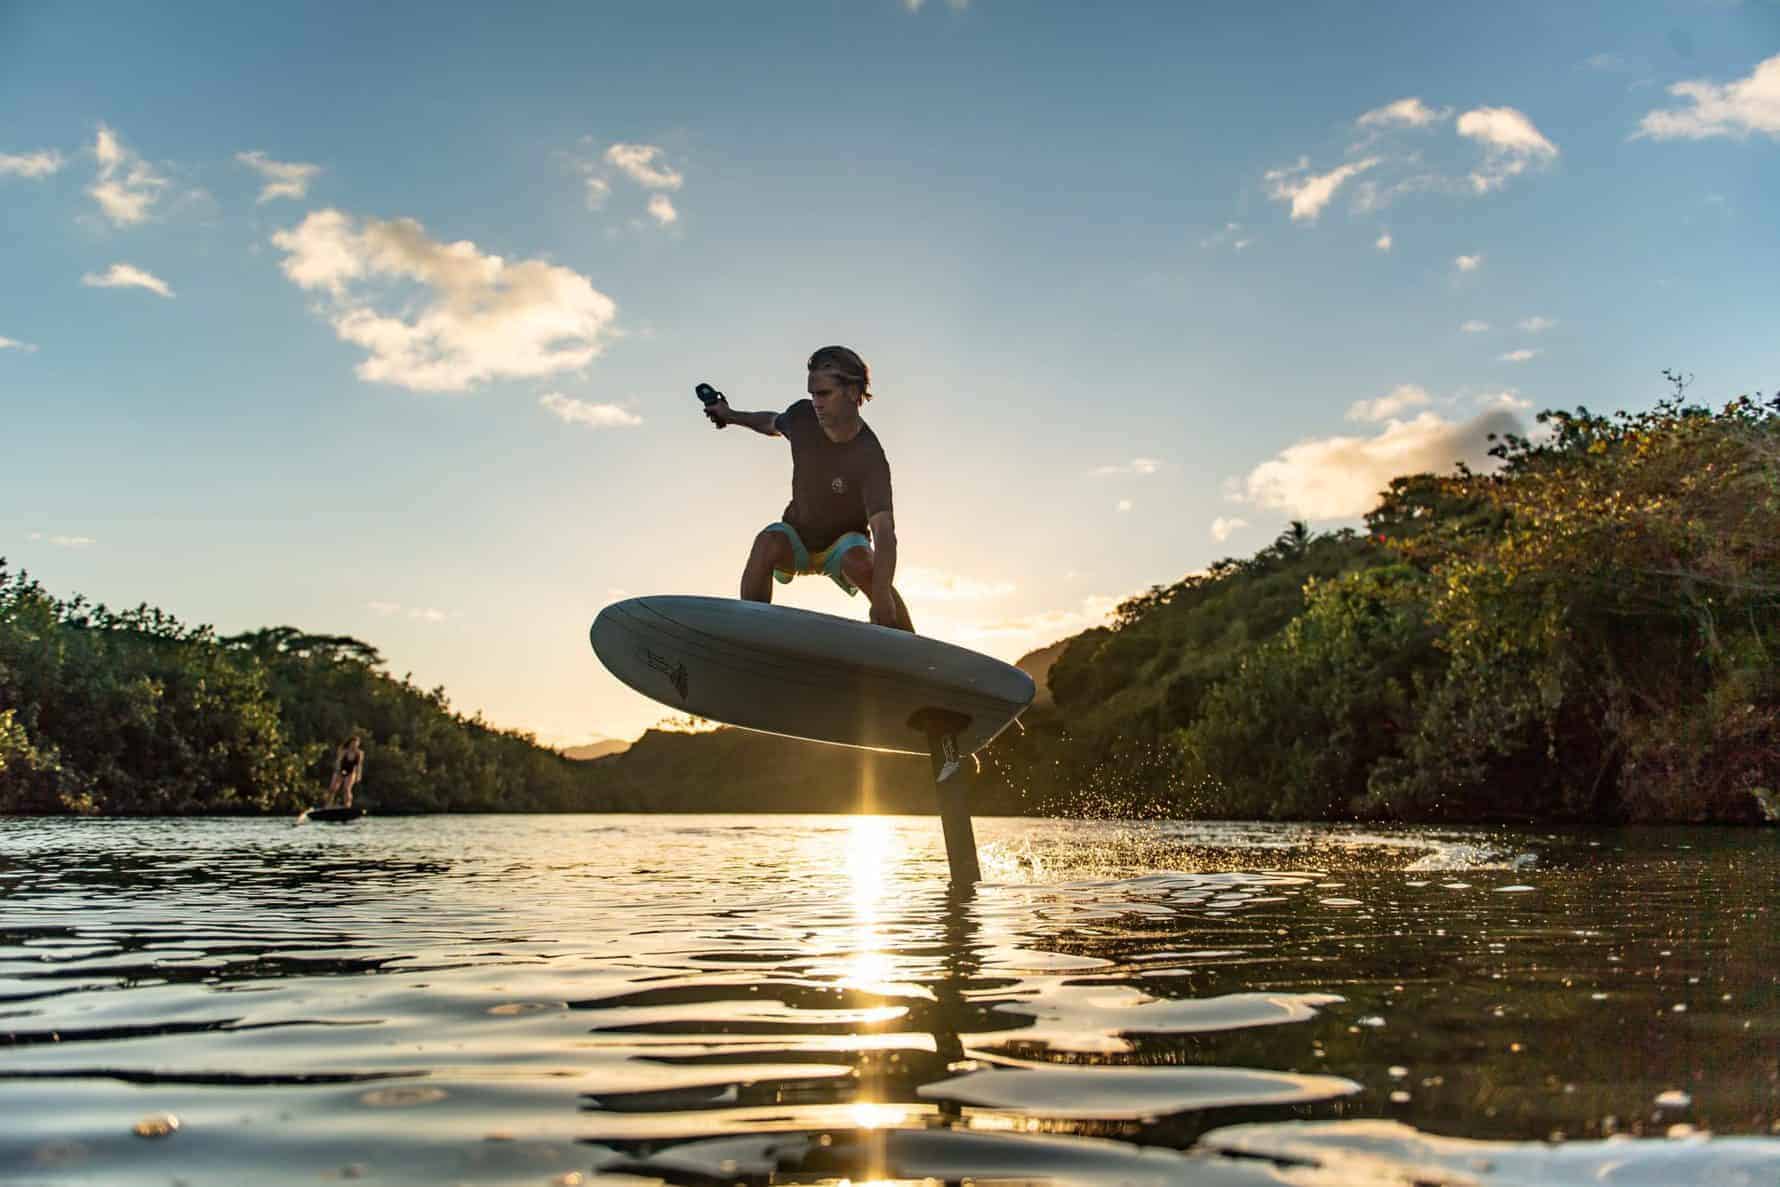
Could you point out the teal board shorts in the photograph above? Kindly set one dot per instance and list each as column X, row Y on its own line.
column 826, row 562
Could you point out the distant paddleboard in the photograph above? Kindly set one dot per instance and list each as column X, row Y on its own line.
column 331, row 815
column 806, row 675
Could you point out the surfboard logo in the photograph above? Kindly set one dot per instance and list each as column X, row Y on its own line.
column 677, row 674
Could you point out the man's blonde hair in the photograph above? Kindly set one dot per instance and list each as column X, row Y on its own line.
column 845, row 365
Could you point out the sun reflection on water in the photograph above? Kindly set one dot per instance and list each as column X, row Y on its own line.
column 868, row 853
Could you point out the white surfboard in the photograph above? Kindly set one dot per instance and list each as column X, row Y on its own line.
column 807, row 675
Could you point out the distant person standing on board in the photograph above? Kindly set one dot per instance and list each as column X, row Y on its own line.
column 839, row 521
column 349, row 768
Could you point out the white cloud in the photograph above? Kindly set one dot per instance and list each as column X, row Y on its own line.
column 127, row 187
column 384, row 608
column 1340, row 477
column 1607, row 62
column 1735, row 109
column 1123, row 505
column 639, row 163
column 1518, row 356
column 427, row 614
column 65, row 541
column 1468, row 263
column 1308, row 193
column 1506, row 401
column 486, row 318
column 1475, row 327
column 15, row 344
column 31, row 164
column 1137, row 465
column 662, row 210
column 1510, row 142
column 1410, row 112
column 1401, row 398
column 1222, row 528
column 598, row 189
column 126, row 276
column 933, row 585
column 1383, row 242
column 1535, row 325
column 284, row 179
column 599, row 416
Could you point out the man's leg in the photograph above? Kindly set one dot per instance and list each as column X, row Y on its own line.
column 772, row 550
column 857, row 565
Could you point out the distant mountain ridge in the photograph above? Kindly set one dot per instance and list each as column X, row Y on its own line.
column 1037, row 664
column 598, row 748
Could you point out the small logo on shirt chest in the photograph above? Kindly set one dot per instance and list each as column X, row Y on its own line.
column 838, row 486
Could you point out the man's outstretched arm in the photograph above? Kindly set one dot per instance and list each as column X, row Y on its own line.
column 761, row 422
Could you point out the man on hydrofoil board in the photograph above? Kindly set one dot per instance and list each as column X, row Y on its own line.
column 839, row 522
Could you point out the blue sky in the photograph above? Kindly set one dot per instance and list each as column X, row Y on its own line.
column 385, row 321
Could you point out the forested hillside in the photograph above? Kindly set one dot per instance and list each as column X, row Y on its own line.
column 1588, row 631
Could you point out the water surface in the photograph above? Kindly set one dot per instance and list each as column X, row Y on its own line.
column 693, row 999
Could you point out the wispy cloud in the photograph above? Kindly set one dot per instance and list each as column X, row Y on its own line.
column 1400, row 399
column 487, row 318
column 1468, row 263
column 1010, row 638
column 1231, row 235
column 1510, row 142
column 1732, row 110
column 1383, row 242
column 1383, row 166
column 1137, row 465
column 427, row 614
column 284, row 179
column 126, row 276
column 1410, row 112
column 580, row 412
column 15, row 344
column 641, row 163
column 1475, row 327
column 65, row 541
column 32, row 164
column 1536, row 325
column 127, row 187
column 1519, row 356
column 1505, row 401
column 1223, row 527
column 1341, row 477
column 1309, row 192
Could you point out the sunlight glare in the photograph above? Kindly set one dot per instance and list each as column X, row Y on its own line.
column 868, row 850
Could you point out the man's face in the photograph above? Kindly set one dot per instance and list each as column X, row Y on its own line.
column 837, row 402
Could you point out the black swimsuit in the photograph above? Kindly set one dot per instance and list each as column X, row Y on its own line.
column 347, row 763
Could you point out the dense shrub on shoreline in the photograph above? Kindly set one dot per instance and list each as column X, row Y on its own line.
column 134, row 713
